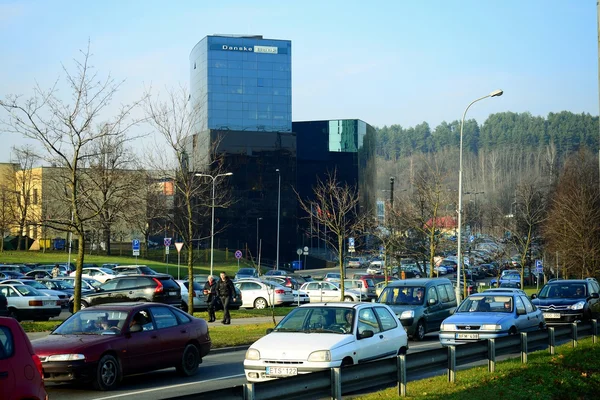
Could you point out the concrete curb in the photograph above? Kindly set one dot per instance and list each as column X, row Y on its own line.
column 222, row 350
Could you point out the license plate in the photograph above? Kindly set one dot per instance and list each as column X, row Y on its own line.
column 551, row 315
column 49, row 302
column 172, row 293
column 281, row 371
column 467, row 335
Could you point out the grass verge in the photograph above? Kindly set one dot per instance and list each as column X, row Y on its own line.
column 572, row 373
column 226, row 336
column 243, row 313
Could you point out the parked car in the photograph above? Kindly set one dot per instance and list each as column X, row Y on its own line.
column 490, row 316
column 423, row 313
column 375, row 267
column 63, row 298
column 21, row 373
column 26, row 303
column 134, row 270
column 64, row 268
column 15, row 275
column 287, row 281
column 86, row 283
column 23, row 269
column 317, row 337
column 99, row 274
column 36, row 274
column 154, row 288
column 62, row 286
column 320, row 291
column 199, row 298
column 3, row 306
column 246, row 273
column 300, row 297
column 262, row 294
column 509, row 278
column 470, row 285
column 104, row 343
column 276, row 272
column 367, row 292
column 569, row 300
column 332, row 277
column 353, row 262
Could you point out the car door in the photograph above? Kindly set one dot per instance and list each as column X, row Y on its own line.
column 433, row 311
column 313, row 289
column 330, row 292
column 143, row 347
column 250, row 292
column 522, row 320
column 368, row 348
column 534, row 316
column 594, row 303
column 388, row 323
column 173, row 337
column 7, row 346
column 104, row 295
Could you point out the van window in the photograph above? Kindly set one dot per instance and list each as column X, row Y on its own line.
column 450, row 291
column 432, row 294
column 442, row 291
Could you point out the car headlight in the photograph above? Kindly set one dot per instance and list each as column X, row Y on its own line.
column 321, row 355
column 490, row 327
column 407, row 314
column 578, row 306
column 66, row 357
column 252, row 354
column 447, row 327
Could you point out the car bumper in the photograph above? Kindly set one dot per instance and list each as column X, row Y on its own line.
column 451, row 338
column 68, row 371
column 38, row 313
column 256, row 370
column 565, row 318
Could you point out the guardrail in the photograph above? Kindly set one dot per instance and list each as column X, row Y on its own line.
column 337, row 382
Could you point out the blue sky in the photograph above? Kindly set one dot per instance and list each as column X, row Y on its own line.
column 386, row 62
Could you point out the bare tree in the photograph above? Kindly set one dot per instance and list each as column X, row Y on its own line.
column 573, row 225
column 175, row 120
column 67, row 129
column 7, row 201
column 334, row 205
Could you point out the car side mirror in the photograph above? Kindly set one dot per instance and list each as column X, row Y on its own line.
column 135, row 328
column 432, row 302
column 595, row 295
column 534, row 296
column 521, row 311
column 365, row 334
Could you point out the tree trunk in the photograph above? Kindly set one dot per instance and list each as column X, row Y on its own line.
column 107, row 241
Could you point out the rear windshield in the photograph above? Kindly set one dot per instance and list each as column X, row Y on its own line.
column 147, row 271
column 168, row 282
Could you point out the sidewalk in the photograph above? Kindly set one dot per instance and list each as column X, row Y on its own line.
column 234, row 322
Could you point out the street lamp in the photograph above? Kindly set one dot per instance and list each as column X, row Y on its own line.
column 257, row 219
column 459, row 260
column 212, row 225
column 278, row 214
column 392, row 192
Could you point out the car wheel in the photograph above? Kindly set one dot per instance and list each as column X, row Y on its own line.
column 14, row 314
column 513, row 331
column 348, row 298
column 108, row 373
column 260, row 303
column 402, row 351
column 189, row 361
column 346, row 362
column 419, row 331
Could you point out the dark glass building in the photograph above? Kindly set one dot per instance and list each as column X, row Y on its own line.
column 241, row 92
column 344, row 146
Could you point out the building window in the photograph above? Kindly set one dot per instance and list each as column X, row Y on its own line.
column 35, row 196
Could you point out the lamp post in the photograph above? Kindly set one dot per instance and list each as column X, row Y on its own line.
column 392, row 192
column 459, row 260
column 257, row 222
column 212, row 225
column 278, row 214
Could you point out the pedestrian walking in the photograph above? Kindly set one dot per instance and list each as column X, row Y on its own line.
column 55, row 271
column 210, row 293
column 226, row 292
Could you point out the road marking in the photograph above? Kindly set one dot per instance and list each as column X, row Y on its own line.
column 167, row 387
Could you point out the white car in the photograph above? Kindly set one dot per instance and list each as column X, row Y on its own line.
column 63, row 298
column 199, row 298
column 300, row 297
column 332, row 277
column 320, row 291
column 26, row 303
column 261, row 294
column 99, row 274
column 375, row 268
column 316, row 337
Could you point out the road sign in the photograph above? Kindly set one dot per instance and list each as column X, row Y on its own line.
column 178, row 246
column 136, row 252
column 305, row 250
column 135, row 245
column 167, row 250
column 539, row 267
column 238, row 254
column 351, row 242
column 299, row 251
column 167, row 242
column 471, row 238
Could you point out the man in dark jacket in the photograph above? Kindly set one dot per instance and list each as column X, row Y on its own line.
column 210, row 292
column 226, row 292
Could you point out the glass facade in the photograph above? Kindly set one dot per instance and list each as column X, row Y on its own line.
column 242, row 83
column 241, row 88
column 346, row 146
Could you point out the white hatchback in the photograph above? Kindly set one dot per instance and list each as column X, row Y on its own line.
column 263, row 294
column 315, row 337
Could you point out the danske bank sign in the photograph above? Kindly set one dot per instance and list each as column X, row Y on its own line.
column 255, row 49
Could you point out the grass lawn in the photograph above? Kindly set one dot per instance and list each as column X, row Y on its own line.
column 572, row 373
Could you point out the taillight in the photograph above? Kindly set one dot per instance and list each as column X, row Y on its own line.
column 159, row 287
column 38, row 364
column 35, row 303
column 279, row 291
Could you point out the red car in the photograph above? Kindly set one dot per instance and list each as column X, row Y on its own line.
column 102, row 344
column 21, row 375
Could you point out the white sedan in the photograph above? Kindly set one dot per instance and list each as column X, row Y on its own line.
column 26, row 303
column 261, row 294
column 99, row 274
column 316, row 337
column 319, row 291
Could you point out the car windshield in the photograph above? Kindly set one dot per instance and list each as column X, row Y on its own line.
column 512, row 276
column 402, row 295
column 35, row 284
column 27, row 290
column 60, row 285
column 486, row 303
column 338, row 320
column 93, row 322
column 246, row 271
column 563, row 290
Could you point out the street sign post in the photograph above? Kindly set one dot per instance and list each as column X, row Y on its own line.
column 167, row 243
column 178, row 246
column 351, row 245
column 238, row 255
column 305, row 252
column 135, row 246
